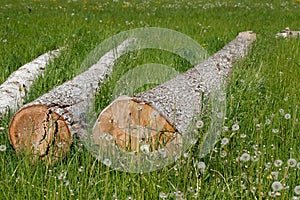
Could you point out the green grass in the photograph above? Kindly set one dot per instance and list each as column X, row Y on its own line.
column 262, row 84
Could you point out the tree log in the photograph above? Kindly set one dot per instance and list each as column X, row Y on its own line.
column 158, row 118
column 14, row 89
column 44, row 128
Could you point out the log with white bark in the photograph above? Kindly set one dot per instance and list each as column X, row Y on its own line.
column 158, row 118
column 44, row 128
column 14, row 89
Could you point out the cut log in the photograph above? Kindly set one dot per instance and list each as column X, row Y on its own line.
column 287, row 33
column 44, row 128
column 159, row 118
column 13, row 90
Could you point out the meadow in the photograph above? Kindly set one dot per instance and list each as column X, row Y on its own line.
column 258, row 153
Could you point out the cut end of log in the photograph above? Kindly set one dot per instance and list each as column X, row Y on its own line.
column 40, row 133
column 134, row 126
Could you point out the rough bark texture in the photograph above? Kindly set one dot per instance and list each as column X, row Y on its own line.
column 14, row 89
column 45, row 126
column 165, row 112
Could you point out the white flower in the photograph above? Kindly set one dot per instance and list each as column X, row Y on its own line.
column 223, row 154
column 287, row 116
column 268, row 121
column 245, row 157
column 275, row 130
column 278, row 163
column 199, row 124
column 274, row 175
column 277, row 186
column 201, row 166
column 291, row 162
column 107, row 162
column 235, row 127
column 2, row 128
column 2, row 147
column 145, row 148
column 224, row 141
column 297, row 190
column 163, row 195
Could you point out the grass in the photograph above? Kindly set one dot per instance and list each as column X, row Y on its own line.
column 262, row 97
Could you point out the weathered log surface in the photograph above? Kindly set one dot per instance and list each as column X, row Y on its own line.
column 45, row 126
column 14, row 89
column 165, row 113
column 287, row 33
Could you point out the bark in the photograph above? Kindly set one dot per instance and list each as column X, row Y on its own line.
column 44, row 127
column 161, row 116
column 14, row 89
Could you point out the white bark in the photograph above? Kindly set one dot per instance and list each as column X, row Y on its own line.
column 57, row 115
column 13, row 90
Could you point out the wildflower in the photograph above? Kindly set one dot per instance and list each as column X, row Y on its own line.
column 224, row 141
column 199, row 124
column 278, row 163
column 291, row 162
column 281, row 111
column 145, row 148
column 245, row 157
column 295, row 198
column 287, row 116
column 107, row 162
column 201, row 166
column 277, row 186
column 66, row 183
column 223, row 154
column 80, row 169
column 254, row 158
column 2, row 128
column 275, row 130
column 163, row 195
column 225, row 128
column 243, row 135
column 4, row 40
column 235, row 127
column 109, row 137
column 268, row 121
column 274, row 175
column 2, row 147
column 297, row 190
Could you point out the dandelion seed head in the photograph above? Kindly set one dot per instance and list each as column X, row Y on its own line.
column 223, row 154
column 2, row 148
column 287, row 116
column 163, row 195
column 199, row 124
column 278, row 163
column 224, row 141
column 297, row 190
column 145, row 148
column 281, row 111
column 277, row 186
column 235, row 127
column 245, row 157
column 107, row 162
column 291, row 162
column 275, row 130
column 274, row 175
column 201, row 166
